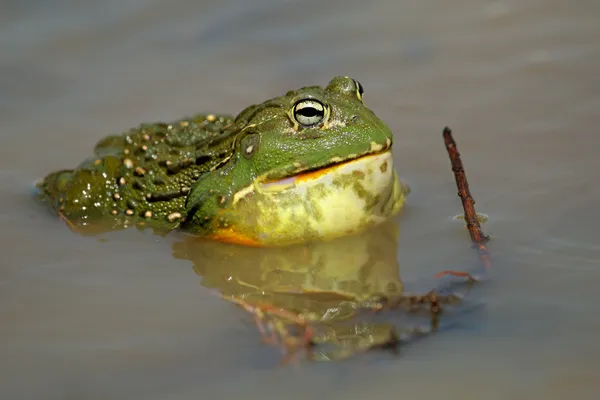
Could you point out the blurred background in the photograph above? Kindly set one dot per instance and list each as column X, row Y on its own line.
column 519, row 83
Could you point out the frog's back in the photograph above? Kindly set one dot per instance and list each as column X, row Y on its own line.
column 143, row 175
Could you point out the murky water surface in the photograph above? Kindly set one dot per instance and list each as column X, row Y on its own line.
column 128, row 316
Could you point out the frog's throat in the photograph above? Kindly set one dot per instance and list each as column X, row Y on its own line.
column 334, row 201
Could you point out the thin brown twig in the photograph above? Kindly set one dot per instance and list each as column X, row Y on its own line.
column 477, row 236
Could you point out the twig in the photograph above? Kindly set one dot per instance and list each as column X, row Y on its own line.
column 477, row 236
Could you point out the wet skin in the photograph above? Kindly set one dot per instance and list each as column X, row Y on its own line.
column 312, row 164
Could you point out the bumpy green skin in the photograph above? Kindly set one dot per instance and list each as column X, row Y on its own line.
column 144, row 175
column 184, row 174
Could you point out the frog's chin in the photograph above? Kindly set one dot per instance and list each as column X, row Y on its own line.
column 334, row 201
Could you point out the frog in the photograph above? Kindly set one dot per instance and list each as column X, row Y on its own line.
column 313, row 164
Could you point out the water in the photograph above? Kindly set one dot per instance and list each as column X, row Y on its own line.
column 122, row 318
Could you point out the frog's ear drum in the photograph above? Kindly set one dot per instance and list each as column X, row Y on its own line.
column 250, row 144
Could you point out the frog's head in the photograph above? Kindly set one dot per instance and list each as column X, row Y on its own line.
column 308, row 129
column 314, row 163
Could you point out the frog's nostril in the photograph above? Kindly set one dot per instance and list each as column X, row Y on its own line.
column 355, row 118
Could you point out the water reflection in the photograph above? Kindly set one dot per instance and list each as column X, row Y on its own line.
column 330, row 284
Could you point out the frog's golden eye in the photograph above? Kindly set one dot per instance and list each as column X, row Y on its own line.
column 359, row 89
column 309, row 112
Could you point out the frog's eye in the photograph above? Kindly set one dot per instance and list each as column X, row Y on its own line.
column 359, row 89
column 309, row 112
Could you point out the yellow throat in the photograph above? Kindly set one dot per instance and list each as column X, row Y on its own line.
column 328, row 203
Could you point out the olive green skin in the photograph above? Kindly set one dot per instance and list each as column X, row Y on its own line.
column 186, row 173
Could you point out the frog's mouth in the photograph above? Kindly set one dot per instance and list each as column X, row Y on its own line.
column 316, row 174
column 304, row 175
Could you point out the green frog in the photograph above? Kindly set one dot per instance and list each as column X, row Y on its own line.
column 313, row 164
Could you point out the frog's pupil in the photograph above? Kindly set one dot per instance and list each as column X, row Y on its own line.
column 310, row 112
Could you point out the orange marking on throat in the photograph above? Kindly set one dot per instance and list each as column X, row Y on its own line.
column 315, row 174
column 233, row 237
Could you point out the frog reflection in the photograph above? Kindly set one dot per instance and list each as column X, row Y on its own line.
column 320, row 281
